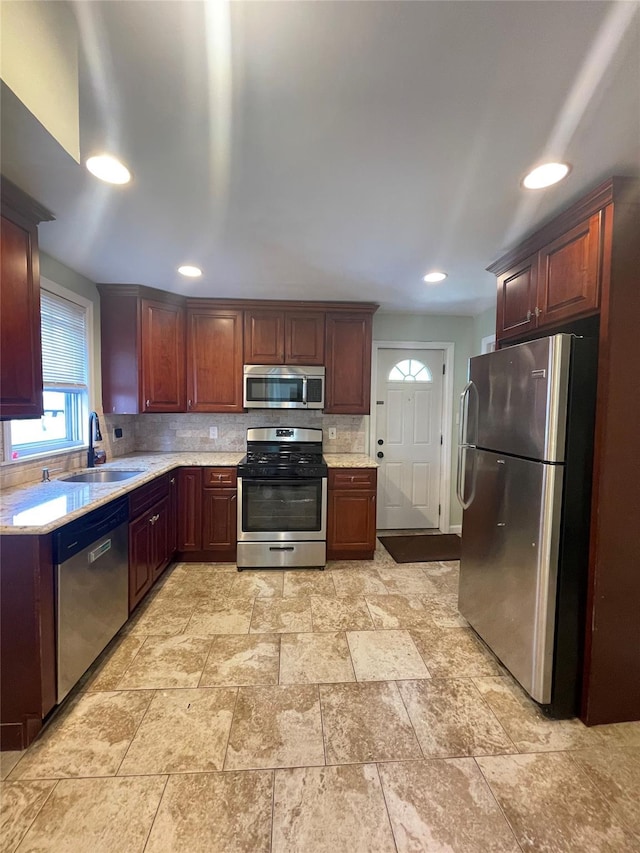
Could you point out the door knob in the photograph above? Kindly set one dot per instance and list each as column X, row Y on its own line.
column 380, row 441
column 380, row 454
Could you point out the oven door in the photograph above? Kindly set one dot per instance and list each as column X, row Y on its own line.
column 282, row 510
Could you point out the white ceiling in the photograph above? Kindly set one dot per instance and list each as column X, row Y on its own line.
column 330, row 150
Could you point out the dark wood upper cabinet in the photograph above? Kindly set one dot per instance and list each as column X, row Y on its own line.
column 263, row 337
column 143, row 350
column 163, row 356
column 214, row 359
column 558, row 282
column 304, row 337
column 517, row 294
column 348, row 360
column 283, row 337
column 569, row 273
column 20, row 340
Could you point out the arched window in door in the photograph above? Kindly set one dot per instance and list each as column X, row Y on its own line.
column 410, row 370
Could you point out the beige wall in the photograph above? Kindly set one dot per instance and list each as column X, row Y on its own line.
column 39, row 63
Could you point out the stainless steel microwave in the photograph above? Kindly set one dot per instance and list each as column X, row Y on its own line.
column 268, row 386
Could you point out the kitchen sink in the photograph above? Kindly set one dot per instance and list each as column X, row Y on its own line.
column 100, row 476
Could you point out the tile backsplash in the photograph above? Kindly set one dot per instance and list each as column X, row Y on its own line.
column 193, row 432
column 185, row 432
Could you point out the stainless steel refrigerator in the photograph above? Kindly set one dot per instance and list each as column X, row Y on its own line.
column 524, row 482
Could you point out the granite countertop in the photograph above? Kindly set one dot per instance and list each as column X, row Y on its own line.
column 40, row 508
column 349, row 460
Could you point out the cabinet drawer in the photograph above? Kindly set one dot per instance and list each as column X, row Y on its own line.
column 219, row 477
column 352, row 478
column 145, row 496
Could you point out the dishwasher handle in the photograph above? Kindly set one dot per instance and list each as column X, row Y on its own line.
column 90, row 528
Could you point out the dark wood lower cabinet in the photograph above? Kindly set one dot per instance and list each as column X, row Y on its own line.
column 207, row 508
column 189, row 511
column 351, row 516
column 27, row 638
column 151, row 542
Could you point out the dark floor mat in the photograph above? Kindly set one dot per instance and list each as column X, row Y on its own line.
column 422, row 549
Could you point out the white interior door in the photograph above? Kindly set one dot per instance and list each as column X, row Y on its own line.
column 408, row 434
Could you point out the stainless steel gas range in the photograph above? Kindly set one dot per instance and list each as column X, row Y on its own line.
column 282, row 500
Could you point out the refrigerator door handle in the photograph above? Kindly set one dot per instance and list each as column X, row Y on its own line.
column 463, row 414
column 460, row 481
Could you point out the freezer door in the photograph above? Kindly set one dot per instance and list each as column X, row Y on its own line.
column 509, row 560
column 518, row 400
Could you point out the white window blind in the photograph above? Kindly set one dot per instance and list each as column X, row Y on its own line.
column 64, row 343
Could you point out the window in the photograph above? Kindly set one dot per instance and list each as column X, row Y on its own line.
column 65, row 377
column 410, row 370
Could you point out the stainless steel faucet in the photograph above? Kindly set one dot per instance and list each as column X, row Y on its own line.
column 94, row 435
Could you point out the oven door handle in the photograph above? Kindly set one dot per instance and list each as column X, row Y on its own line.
column 281, row 481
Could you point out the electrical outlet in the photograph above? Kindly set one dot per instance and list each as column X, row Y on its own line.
column 117, row 433
column 213, row 432
column 333, row 432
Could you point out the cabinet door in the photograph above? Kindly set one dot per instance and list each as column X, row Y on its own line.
column 189, row 509
column 140, row 556
column 20, row 344
column 348, row 357
column 172, row 534
column 162, row 355
column 303, row 338
column 219, row 520
column 569, row 280
column 517, row 299
column 160, row 537
column 351, row 524
column 264, row 337
column 214, row 360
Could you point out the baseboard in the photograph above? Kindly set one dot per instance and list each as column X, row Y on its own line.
column 455, row 528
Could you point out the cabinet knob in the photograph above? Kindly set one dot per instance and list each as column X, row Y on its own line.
column 173, row 481
column 380, row 454
column 538, row 311
column 147, row 403
column 380, row 441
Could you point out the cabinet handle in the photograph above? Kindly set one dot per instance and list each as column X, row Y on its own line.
column 147, row 403
column 528, row 316
column 352, row 478
column 188, row 404
column 173, row 481
column 538, row 311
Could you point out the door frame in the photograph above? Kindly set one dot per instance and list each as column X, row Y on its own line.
column 444, row 495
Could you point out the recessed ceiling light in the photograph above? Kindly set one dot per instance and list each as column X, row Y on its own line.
column 546, row 175
column 435, row 276
column 190, row 271
column 108, row 169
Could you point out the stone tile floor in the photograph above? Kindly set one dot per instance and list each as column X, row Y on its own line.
column 351, row 710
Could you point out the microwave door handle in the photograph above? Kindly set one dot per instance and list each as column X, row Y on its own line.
column 304, row 390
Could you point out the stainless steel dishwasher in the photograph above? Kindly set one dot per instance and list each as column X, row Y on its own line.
column 92, row 576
